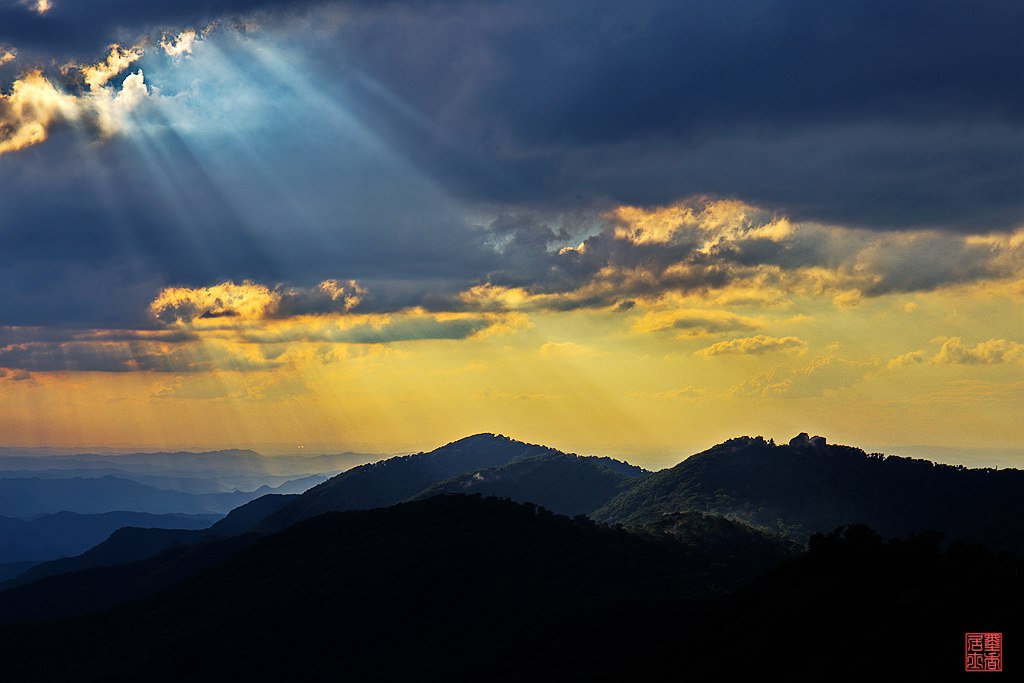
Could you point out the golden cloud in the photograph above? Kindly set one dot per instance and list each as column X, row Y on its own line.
column 38, row 6
column 35, row 105
column 180, row 45
column 32, row 107
column 98, row 75
column 954, row 351
column 251, row 301
column 184, row 304
column 711, row 222
column 910, row 358
column 748, row 345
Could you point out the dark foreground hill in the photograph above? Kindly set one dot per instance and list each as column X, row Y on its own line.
column 713, row 555
column 808, row 486
column 463, row 588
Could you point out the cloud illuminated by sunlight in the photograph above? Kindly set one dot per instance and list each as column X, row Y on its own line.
column 954, row 351
column 34, row 104
column 119, row 59
column 38, row 6
column 27, row 113
column 252, row 301
column 759, row 344
column 179, row 45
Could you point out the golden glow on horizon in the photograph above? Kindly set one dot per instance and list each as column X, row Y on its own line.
column 586, row 381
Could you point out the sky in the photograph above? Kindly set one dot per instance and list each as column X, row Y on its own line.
column 632, row 229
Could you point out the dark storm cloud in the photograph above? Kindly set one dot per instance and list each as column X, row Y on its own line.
column 543, row 116
column 72, row 27
column 876, row 114
column 91, row 356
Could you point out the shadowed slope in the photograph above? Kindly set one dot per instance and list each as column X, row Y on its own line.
column 563, row 483
column 808, row 486
column 391, row 481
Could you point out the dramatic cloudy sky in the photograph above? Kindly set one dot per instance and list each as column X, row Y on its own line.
column 627, row 228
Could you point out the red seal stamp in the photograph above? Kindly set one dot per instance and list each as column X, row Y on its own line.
column 983, row 651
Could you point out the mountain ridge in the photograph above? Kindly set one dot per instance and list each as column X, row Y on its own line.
column 809, row 486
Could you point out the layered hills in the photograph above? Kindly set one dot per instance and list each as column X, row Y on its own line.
column 740, row 540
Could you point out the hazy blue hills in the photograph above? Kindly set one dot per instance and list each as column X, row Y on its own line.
column 563, row 483
column 28, row 497
column 206, row 472
column 68, row 533
column 130, row 543
column 808, row 486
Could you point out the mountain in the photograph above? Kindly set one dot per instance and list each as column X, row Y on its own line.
column 394, row 480
column 854, row 608
column 465, row 588
column 131, row 544
column 450, row 583
column 34, row 496
column 567, row 483
column 808, row 486
column 244, row 517
column 563, row 483
column 100, row 587
column 209, row 472
column 224, row 461
column 127, row 544
column 67, row 533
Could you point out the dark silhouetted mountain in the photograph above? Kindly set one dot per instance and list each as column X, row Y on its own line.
column 463, row 588
column 391, row 481
column 856, row 608
column 31, row 497
column 126, row 544
column 11, row 570
column 101, row 587
column 732, row 551
column 245, row 517
column 808, row 486
column 427, row 578
column 67, row 533
column 562, row 483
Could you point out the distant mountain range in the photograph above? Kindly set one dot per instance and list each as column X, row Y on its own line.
column 208, row 472
column 67, row 533
column 393, row 552
column 30, row 497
